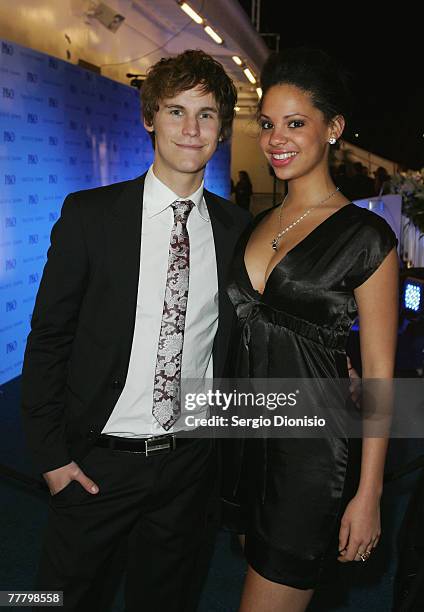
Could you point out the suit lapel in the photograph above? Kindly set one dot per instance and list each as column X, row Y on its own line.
column 225, row 234
column 123, row 240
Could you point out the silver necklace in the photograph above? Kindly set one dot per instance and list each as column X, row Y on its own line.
column 280, row 234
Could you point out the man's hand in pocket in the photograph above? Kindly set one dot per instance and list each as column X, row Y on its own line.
column 60, row 478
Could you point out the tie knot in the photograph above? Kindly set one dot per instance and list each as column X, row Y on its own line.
column 182, row 209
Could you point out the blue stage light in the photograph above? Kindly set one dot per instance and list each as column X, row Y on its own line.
column 413, row 295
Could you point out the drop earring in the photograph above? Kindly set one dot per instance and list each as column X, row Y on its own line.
column 332, row 140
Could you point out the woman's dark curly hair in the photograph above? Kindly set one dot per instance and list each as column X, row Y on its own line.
column 313, row 71
column 172, row 75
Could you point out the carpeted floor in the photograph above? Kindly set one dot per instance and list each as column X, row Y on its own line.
column 351, row 588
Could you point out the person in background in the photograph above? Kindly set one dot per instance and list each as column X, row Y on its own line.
column 369, row 180
column 361, row 185
column 341, row 179
column 243, row 190
column 382, row 181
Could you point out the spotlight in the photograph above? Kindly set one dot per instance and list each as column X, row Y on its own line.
column 413, row 295
column 259, row 92
column 108, row 17
column 237, row 60
column 136, row 81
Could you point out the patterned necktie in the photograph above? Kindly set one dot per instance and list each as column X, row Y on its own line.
column 167, row 384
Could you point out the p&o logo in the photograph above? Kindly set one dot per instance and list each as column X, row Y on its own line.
column 11, row 346
column 10, row 264
column 32, row 159
column 53, row 179
column 33, row 239
column 8, row 93
column 32, row 77
column 10, row 221
column 8, row 136
column 9, row 179
column 33, row 278
column 7, row 49
column 53, row 103
column 12, row 305
column 33, row 198
column 32, row 118
column 53, row 141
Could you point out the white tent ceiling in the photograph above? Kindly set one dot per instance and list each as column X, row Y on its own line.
column 152, row 29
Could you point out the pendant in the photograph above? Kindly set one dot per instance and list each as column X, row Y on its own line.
column 274, row 244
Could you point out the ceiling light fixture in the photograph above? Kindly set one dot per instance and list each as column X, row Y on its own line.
column 214, row 35
column 184, row 6
column 191, row 12
column 250, row 76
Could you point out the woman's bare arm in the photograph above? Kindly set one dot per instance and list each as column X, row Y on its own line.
column 377, row 300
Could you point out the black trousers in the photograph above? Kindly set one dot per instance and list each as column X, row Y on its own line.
column 164, row 507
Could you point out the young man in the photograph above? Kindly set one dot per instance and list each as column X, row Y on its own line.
column 135, row 274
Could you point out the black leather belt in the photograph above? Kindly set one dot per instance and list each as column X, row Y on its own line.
column 145, row 446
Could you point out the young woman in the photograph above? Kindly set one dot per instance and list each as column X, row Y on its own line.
column 301, row 274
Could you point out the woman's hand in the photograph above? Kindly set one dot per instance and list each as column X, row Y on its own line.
column 360, row 527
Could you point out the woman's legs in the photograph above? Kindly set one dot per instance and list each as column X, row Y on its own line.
column 262, row 595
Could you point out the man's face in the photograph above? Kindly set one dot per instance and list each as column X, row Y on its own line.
column 187, row 129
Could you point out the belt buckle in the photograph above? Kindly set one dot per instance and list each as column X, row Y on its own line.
column 159, row 443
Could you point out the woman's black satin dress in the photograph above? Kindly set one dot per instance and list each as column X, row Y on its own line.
column 296, row 489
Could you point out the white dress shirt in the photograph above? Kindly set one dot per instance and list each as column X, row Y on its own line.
column 132, row 414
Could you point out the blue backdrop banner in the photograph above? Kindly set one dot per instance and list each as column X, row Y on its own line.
column 62, row 128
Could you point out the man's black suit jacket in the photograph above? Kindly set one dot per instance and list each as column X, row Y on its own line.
column 78, row 351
